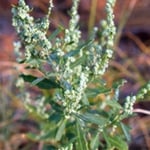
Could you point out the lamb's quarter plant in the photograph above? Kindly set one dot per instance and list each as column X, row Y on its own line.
column 72, row 113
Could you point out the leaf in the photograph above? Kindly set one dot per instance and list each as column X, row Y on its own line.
column 54, row 57
column 61, row 129
column 36, row 81
column 117, row 142
column 100, row 112
column 36, row 137
column 55, row 33
column 104, row 133
column 114, row 104
column 81, row 141
column 79, row 61
column 79, row 48
column 55, row 117
column 42, row 83
column 48, row 132
column 92, row 118
column 72, row 53
column 95, row 142
column 57, row 107
column 93, row 92
column 85, row 100
column 125, row 130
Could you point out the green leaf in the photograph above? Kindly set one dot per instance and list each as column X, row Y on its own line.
column 57, row 107
column 95, row 142
column 72, row 53
column 54, row 57
column 114, row 104
column 79, row 61
column 61, row 130
column 93, row 92
column 55, row 117
column 85, row 100
column 36, row 137
column 104, row 133
column 48, row 133
column 126, row 130
column 36, row 81
column 100, row 112
column 79, row 48
column 117, row 142
column 41, row 82
column 55, row 33
column 81, row 141
column 92, row 118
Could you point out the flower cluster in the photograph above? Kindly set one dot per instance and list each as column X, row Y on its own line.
column 143, row 91
column 101, row 53
column 130, row 100
column 72, row 34
column 74, row 96
column 32, row 33
column 128, row 107
column 108, row 35
column 97, row 58
column 72, row 78
column 40, row 102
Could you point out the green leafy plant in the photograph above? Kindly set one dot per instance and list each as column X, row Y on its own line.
column 72, row 113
